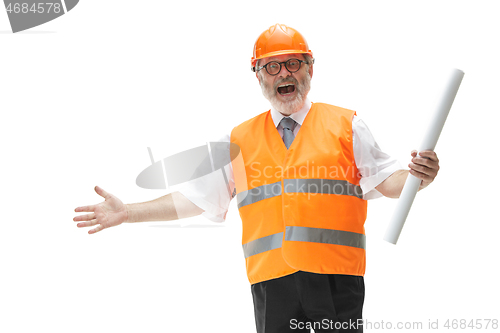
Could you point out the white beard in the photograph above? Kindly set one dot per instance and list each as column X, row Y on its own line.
column 270, row 93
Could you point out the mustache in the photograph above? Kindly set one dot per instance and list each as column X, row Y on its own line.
column 289, row 79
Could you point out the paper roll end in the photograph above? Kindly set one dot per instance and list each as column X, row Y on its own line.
column 390, row 240
column 390, row 237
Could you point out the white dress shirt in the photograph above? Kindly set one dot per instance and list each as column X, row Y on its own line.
column 211, row 192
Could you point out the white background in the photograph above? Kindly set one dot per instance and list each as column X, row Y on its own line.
column 83, row 96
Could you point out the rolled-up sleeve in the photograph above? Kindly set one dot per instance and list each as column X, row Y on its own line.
column 212, row 192
column 373, row 164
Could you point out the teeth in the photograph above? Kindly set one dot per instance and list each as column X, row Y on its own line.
column 285, row 85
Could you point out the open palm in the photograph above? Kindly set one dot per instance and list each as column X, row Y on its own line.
column 109, row 213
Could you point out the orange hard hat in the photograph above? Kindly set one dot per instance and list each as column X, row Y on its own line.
column 278, row 39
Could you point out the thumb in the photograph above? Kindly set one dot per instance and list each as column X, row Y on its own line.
column 102, row 193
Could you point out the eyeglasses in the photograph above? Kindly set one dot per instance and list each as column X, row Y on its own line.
column 274, row 67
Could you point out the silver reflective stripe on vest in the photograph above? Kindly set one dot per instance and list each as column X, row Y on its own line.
column 327, row 236
column 258, row 193
column 263, row 244
column 328, row 186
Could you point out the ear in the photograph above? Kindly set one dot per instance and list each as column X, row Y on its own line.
column 257, row 76
column 311, row 70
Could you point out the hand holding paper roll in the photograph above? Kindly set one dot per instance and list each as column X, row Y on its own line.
column 424, row 165
column 429, row 143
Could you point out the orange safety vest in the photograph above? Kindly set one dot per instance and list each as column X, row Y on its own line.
column 302, row 208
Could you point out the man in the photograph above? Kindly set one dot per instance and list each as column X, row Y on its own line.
column 301, row 197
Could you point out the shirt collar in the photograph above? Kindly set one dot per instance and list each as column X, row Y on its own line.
column 298, row 116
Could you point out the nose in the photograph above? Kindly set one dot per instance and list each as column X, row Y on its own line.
column 284, row 71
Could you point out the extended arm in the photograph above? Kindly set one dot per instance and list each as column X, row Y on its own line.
column 113, row 212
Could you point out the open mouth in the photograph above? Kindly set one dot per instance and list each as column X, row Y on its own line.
column 286, row 89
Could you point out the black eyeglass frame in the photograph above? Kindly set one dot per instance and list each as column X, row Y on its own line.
column 280, row 63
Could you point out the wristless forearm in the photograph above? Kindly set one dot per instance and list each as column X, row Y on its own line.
column 170, row 207
column 161, row 209
column 395, row 185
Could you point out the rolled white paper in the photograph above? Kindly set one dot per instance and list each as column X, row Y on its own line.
column 429, row 143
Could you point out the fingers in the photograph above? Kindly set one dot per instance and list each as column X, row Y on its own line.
column 102, row 193
column 426, row 154
column 87, row 217
column 424, row 166
column 91, row 208
column 426, row 159
column 421, row 164
column 99, row 228
column 90, row 224
column 90, row 219
column 430, row 155
column 426, row 178
column 87, row 223
column 85, row 208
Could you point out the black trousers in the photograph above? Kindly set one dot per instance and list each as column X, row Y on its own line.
column 301, row 301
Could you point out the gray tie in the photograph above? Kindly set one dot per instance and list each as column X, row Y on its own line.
column 287, row 124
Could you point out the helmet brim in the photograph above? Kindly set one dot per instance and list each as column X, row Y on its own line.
column 277, row 53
